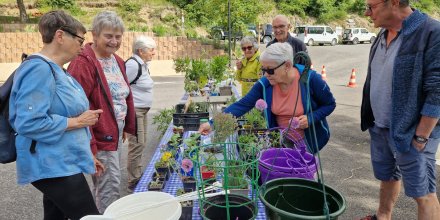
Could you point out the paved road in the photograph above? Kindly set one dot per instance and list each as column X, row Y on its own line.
column 345, row 160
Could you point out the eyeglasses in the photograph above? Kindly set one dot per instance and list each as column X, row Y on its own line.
column 247, row 48
column 369, row 8
column 81, row 39
column 271, row 71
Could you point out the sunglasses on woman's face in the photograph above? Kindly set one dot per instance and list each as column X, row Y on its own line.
column 271, row 71
column 247, row 48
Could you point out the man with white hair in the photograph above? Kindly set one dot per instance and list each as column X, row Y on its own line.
column 281, row 26
column 141, row 85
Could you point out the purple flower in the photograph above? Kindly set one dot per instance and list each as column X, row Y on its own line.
column 187, row 165
column 294, row 123
column 261, row 104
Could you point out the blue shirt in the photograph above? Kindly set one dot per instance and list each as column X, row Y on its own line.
column 382, row 80
column 40, row 104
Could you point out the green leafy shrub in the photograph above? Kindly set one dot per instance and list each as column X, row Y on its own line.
column 159, row 30
column 130, row 6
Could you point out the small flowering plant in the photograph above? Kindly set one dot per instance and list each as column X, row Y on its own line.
column 261, row 105
column 255, row 116
column 187, row 167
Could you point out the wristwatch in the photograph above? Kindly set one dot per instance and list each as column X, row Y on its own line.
column 420, row 139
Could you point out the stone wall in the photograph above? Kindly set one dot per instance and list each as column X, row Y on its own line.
column 12, row 45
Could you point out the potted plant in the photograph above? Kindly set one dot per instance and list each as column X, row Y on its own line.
column 187, row 206
column 165, row 162
column 208, row 170
column 187, row 178
column 236, row 179
column 156, row 185
column 163, row 119
column 224, row 126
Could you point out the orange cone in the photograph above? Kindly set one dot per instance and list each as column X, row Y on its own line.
column 324, row 74
column 352, row 82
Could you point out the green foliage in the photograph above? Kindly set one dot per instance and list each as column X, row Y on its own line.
column 130, row 6
column 424, row 5
column 217, row 68
column 224, row 126
column 136, row 27
column 255, row 118
column 181, row 65
column 159, row 30
column 296, row 7
column 163, row 119
column 56, row 4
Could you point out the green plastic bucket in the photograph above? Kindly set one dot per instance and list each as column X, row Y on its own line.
column 294, row 198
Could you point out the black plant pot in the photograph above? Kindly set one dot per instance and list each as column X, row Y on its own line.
column 159, row 188
column 187, row 211
column 242, row 212
column 189, row 183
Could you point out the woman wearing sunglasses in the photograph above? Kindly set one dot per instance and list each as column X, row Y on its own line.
column 248, row 68
column 286, row 96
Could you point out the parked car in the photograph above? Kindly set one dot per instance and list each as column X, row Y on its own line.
column 316, row 34
column 357, row 35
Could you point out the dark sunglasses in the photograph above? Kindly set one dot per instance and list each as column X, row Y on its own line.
column 247, row 48
column 271, row 71
column 81, row 39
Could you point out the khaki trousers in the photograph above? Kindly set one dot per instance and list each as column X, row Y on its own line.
column 106, row 187
column 136, row 146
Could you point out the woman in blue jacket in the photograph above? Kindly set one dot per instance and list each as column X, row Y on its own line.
column 50, row 112
column 308, row 99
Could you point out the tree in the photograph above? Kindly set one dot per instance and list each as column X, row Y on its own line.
column 23, row 16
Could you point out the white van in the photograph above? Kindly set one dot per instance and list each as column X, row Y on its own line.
column 319, row 34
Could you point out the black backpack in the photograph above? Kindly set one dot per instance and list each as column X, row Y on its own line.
column 139, row 74
column 8, row 152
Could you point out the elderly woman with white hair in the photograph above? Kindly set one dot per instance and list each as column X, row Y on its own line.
column 248, row 68
column 142, row 88
column 102, row 75
column 287, row 96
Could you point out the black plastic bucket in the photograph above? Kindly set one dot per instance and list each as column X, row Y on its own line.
column 237, row 209
column 294, row 198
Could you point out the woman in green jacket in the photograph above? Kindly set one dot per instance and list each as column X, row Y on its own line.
column 248, row 68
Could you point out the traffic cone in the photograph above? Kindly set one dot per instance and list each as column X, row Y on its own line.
column 324, row 74
column 352, row 82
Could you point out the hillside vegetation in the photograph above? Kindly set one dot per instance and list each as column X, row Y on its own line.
column 165, row 17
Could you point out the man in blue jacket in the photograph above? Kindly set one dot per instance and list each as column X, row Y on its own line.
column 401, row 105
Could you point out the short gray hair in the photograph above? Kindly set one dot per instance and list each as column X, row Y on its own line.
column 279, row 52
column 142, row 42
column 249, row 40
column 107, row 19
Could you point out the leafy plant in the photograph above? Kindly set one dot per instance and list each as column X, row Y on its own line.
column 248, row 145
column 255, row 118
column 130, row 6
column 217, row 67
column 182, row 65
column 198, row 107
column 163, row 119
column 224, row 126
column 159, row 30
column 192, row 142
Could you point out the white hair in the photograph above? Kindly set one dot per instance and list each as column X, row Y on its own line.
column 142, row 42
column 278, row 52
column 107, row 19
column 249, row 40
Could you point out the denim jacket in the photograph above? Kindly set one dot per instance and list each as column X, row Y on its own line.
column 416, row 80
column 39, row 106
